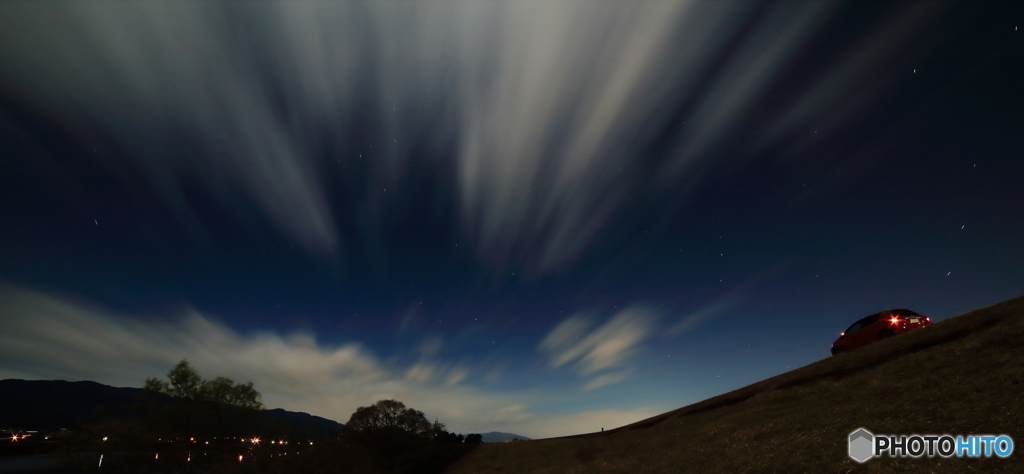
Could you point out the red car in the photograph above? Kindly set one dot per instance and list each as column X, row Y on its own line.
column 879, row 326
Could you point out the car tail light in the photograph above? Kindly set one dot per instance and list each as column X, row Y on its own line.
column 894, row 320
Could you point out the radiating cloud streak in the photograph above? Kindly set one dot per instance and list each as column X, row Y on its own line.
column 557, row 112
column 46, row 337
column 607, row 347
column 605, row 379
column 186, row 97
column 544, row 142
column 723, row 304
column 856, row 80
column 708, row 311
column 749, row 70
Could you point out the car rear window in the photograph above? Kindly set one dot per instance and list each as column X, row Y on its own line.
column 862, row 323
column 903, row 312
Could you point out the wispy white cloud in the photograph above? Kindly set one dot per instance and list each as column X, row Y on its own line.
column 420, row 373
column 519, row 419
column 509, row 415
column 585, row 422
column 713, row 309
column 608, row 346
column 605, row 379
column 844, row 87
column 456, row 376
column 723, row 304
column 49, row 337
column 563, row 342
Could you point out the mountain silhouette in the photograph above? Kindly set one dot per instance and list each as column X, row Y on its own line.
column 54, row 404
column 500, row 437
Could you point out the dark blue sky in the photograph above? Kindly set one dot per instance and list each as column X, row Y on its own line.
column 541, row 218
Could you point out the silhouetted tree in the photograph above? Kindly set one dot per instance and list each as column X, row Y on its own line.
column 224, row 390
column 217, row 407
column 398, row 439
column 185, row 383
column 474, row 438
column 445, row 437
column 390, row 415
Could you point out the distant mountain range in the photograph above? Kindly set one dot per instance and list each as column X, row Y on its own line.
column 52, row 404
column 499, row 437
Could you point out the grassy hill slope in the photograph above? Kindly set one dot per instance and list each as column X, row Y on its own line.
column 961, row 376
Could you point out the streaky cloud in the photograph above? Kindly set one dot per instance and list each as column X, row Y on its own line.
column 549, row 116
column 52, row 337
column 607, row 347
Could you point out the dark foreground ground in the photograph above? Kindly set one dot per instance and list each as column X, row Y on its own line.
column 961, row 376
column 38, row 463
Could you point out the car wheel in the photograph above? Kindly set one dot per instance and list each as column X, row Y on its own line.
column 886, row 334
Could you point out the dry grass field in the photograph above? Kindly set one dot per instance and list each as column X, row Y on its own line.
column 961, row 376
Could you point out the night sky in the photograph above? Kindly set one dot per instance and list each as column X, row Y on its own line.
column 539, row 217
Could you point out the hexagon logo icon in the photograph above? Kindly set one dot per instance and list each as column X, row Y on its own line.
column 861, row 443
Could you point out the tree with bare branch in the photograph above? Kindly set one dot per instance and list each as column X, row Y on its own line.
column 389, row 415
